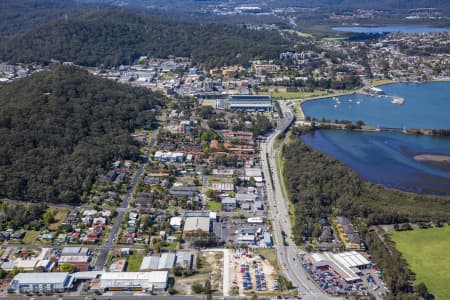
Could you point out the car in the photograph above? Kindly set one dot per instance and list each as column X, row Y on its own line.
column 89, row 298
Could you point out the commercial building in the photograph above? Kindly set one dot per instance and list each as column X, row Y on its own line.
column 347, row 264
column 195, row 224
column 134, row 281
column 40, row 283
column 250, row 103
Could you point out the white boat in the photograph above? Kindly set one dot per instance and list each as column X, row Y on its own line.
column 358, row 102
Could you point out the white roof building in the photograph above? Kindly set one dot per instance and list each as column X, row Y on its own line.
column 192, row 224
column 176, row 222
column 40, row 282
column 145, row 281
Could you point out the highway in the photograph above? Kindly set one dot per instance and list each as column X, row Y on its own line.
column 288, row 255
column 109, row 243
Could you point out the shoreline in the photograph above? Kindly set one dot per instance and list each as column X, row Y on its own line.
column 432, row 157
column 424, row 131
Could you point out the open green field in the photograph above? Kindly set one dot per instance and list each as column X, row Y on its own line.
column 135, row 260
column 214, row 205
column 295, row 95
column 426, row 251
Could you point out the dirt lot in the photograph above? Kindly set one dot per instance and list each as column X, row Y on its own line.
column 211, row 268
column 254, row 262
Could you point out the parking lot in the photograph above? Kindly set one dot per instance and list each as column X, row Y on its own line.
column 331, row 282
column 252, row 274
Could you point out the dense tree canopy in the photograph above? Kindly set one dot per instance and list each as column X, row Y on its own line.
column 321, row 186
column 60, row 128
column 113, row 38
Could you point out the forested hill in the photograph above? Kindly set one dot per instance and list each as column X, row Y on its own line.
column 60, row 128
column 113, row 38
column 18, row 15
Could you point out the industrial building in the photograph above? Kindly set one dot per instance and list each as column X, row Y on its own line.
column 40, row 283
column 134, row 281
column 257, row 103
column 196, row 224
column 165, row 261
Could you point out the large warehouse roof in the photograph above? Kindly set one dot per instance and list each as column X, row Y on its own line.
column 196, row 223
column 152, row 277
column 351, row 259
column 44, row 278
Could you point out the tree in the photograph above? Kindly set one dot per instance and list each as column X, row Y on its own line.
column 197, row 288
column 207, row 288
column 66, row 267
column 422, row 291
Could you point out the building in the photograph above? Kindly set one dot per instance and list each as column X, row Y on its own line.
column 347, row 264
column 183, row 191
column 250, row 103
column 118, row 265
column 134, row 281
column 175, row 222
column 165, row 261
column 184, row 259
column 40, row 283
column 197, row 224
column 348, row 235
column 228, row 203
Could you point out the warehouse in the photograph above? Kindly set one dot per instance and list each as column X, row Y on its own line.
column 134, row 281
column 165, row 261
column 196, row 224
column 40, row 283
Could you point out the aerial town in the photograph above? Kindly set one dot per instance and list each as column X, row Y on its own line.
column 204, row 210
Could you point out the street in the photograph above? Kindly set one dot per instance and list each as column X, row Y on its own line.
column 109, row 243
column 279, row 214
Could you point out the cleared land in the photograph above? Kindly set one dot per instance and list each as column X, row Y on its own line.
column 426, row 251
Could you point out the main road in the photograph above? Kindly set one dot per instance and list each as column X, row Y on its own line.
column 287, row 251
column 109, row 243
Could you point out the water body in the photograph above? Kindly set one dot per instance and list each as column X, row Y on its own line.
column 387, row 158
column 381, row 29
column 427, row 106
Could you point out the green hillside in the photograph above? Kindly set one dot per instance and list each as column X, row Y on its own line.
column 113, row 38
column 60, row 128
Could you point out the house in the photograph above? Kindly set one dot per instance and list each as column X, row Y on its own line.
column 244, row 197
column 184, row 259
column 183, row 191
column 118, row 265
column 175, row 223
column 143, row 199
column 228, row 203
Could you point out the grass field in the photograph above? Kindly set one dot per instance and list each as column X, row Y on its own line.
column 426, row 251
column 135, row 260
column 269, row 254
column 30, row 236
column 295, row 95
column 59, row 217
column 214, row 205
